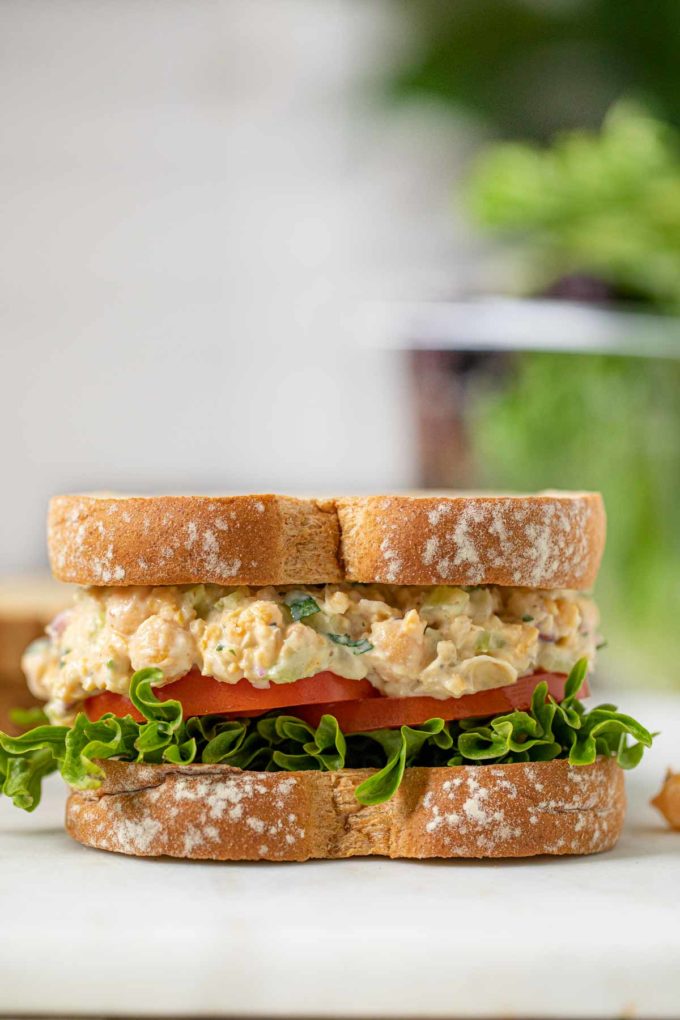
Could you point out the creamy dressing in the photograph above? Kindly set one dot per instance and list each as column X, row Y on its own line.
column 441, row 642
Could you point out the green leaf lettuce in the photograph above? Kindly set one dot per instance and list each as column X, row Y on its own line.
column 281, row 742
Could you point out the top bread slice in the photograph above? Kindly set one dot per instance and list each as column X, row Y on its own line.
column 547, row 540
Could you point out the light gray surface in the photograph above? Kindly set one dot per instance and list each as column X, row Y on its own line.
column 86, row 932
column 194, row 196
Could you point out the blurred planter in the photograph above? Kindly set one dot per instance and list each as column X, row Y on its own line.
column 525, row 395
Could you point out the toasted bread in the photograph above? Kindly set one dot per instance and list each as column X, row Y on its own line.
column 216, row 812
column 549, row 540
column 184, row 539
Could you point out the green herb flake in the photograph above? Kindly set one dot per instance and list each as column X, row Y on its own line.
column 358, row 647
column 301, row 607
column 224, row 648
column 527, row 619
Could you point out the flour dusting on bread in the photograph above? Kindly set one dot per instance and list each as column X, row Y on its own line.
column 220, row 813
column 550, row 540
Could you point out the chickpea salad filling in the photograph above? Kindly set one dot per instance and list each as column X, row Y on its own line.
column 440, row 642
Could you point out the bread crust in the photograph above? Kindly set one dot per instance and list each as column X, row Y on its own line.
column 215, row 812
column 228, row 540
column 548, row 540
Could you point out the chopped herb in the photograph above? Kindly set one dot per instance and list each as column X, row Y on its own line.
column 111, row 664
column 527, row 619
column 602, row 644
column 223, row 648
column 301, row 607
column 358, row 647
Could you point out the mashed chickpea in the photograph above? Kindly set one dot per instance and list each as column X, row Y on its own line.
column 441, row 642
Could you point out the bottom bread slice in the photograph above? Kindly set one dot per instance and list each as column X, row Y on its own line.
column 217, row 812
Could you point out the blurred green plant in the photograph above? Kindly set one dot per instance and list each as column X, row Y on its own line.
column 605, row 204
column 528, row 68
column 609, row 423
column 599, row 203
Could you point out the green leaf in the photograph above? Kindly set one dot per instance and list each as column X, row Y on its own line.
column 279, row 741
column 87, row 741
column 607, row 718
column 266, row 729
column 181, row 754
column 225, row 742
column 543, row 709
column 164, row 718
column 288, row 727
column 584, row 750
column 401, row 748
column 145, row 701
column 358, row 647
column 53, row 737
column 26, row 718
column 329, row 746
column 575, row 681
column 205, row 727
column 301, row 607
column 442, row 740
column 629, row 757
column 23, row 776
column 482, row 743
column 296, row 762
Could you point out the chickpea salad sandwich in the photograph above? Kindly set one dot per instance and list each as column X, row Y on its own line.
column 261, row 677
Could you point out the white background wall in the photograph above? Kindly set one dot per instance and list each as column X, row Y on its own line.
column 195, row 197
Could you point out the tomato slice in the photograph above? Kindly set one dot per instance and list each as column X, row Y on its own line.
column 379, row 713
column 356, row 704
column 203, row 695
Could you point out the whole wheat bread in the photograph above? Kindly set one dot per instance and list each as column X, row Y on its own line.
column 221, row 813
column 547, row 540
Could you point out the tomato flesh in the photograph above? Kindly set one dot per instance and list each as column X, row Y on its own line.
column 380, row 713
column 203, row 695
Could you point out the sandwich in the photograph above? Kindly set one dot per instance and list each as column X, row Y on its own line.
column 261, row 677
